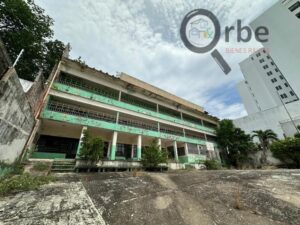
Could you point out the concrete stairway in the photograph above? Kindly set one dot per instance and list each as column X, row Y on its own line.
column 63, row 165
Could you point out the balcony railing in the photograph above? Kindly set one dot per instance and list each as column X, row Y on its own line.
column 138, row 124
column 82, row 84
column 78, row 111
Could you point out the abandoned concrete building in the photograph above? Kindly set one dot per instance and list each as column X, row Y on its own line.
column 125, row 112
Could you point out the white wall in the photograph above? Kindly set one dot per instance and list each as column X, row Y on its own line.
column 247, row 98
column 284, row 38
column 271, row 119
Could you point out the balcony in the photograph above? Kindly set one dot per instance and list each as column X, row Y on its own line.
column 86, row 89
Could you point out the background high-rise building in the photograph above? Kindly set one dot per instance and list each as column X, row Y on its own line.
column 271, row 89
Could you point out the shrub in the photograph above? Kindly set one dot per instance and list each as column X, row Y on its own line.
column 24, row 182
column 288, row 151
column 212, row 165
column 91, row 148
column 152, row 156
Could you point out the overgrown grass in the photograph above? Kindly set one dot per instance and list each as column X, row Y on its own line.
column 23, row 182
column 212, row 165
column 40, row 166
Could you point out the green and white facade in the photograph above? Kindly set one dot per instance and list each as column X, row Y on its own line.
column 125, row 112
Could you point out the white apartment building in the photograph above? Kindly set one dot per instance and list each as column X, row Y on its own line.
column 271, row 89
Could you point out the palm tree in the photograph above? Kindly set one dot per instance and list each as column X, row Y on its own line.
column 264, row 137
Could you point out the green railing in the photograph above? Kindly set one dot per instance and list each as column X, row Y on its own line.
column 74, row 119
column 109, row 101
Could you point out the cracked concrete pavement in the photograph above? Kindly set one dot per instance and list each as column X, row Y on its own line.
column 182, row 197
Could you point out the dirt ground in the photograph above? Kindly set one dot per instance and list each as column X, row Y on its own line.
column 184, row 197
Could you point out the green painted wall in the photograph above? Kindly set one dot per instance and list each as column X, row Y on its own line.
column 47, row 114
column 190, row 159
column 47, row 155
column 109, row 101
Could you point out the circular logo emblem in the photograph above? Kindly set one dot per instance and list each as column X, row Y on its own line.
column 200, row 31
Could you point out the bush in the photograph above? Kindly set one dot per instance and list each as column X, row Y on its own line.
column 40, row 166
column 288, row 151
column 212, row 165
column 153, row 156
column 10, row 169
column 91, row 148
column 24, row 182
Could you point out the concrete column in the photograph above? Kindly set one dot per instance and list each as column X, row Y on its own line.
column 199, row 152
column 183, row 132
column 120, row 95
column 108, row 150
column 139, row 147
column 186, row 149
column 114, row 146
column 159, row 143
column 181, row 116
column 80, row 142
column 157, row 108
column 117, row 118
column 132, row 151
column 175, row 151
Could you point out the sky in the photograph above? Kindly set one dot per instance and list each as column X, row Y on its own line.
column 141, row 38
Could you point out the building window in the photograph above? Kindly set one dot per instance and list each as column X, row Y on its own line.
column 262, row 60
column 274, row 80
column 286, row 84
column 294, row 6
column 268, row 57
column 264, row 51
column 283, row 96
column 265, row 66
column 281, row 77
column 269, row 73
column 292, row 93
column 298, row 15
column 278, row 88
column 252, row 58
column 272, row 63
column 258, row 55
column 277, row 70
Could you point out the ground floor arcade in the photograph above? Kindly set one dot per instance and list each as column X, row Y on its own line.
column 55, row 139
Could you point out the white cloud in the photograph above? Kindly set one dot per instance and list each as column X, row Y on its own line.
column 141, row 38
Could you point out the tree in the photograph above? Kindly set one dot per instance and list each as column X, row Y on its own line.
column 264, row 137
column 235, row 144
column 24, row 25
column 288, row 151
column 92, row 149
column 297, row 135
column 152, row 156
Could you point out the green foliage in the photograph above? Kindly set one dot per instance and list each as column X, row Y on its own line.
column 91, row 148
column 288, row 151
column 40, row 166
column 297, row 135
column 24, row 182
column 264, row 137
column 235, row 144
column 212, row 165
column 10, row 169
column 24, row 25
column 152, row 156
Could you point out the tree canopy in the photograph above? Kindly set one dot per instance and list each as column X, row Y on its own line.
column 24, row 25
column 235, row 144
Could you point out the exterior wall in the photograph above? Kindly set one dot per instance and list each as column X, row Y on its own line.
column 35, row 93
column 271, row 119
column 16, row 119
column 247, row 98
column 4, row 59
column 283, row 42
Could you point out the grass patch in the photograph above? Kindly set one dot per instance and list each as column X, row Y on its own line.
column 24, row 182
column 40, row 166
